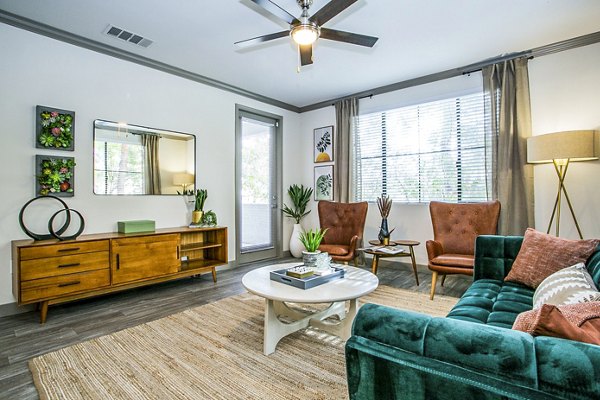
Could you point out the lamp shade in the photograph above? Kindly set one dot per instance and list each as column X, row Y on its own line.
column 571, row 145
column 183, row 179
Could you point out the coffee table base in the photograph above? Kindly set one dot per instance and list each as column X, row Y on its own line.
column 276, row 329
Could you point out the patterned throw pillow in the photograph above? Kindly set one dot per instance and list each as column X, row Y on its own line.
column 570, row 285
column 542, row 255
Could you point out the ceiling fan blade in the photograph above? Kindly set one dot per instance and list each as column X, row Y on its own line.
column 330, row 10
column 306, row 54
column 347, row 37
column 277, row 11
column 261, row 39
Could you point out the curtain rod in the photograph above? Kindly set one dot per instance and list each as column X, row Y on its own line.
column 535, row 52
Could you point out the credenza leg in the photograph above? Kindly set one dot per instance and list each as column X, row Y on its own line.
column 43, row 311
column 214, row 274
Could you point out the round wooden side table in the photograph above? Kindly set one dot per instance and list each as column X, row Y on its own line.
column 379, row 254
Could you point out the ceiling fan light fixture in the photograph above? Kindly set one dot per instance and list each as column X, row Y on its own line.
column 305, row 34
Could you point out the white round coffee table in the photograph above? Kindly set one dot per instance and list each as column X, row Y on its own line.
column 355, row 283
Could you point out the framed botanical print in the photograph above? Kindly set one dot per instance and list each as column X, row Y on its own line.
column 54, row 129
column 323, row 144
column 323, row 185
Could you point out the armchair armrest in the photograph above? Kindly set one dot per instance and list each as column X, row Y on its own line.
column 434, row 249
column 353, row 245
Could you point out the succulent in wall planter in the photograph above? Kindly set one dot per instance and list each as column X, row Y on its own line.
column 55, row 175
column 55, row 128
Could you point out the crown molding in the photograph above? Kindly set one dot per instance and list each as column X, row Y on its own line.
column 68, row 37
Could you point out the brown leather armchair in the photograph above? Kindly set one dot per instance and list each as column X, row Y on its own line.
column 455, row 227
column 345, row 223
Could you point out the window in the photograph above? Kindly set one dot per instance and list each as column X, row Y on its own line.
column 123, row 171
column 430, row 151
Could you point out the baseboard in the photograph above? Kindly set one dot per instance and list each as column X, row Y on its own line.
column 13, row 309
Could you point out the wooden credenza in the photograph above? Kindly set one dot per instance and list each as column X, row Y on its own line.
column 50, row 271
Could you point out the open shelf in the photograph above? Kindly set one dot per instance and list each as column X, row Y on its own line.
column 199, row 264
column 199, row 246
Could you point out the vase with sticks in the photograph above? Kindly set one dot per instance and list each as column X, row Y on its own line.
column 385, row 205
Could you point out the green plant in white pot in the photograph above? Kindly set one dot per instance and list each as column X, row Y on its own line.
column 300, row 196
column 311, row 241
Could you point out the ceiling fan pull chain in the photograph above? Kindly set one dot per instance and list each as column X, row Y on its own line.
column 298, row 67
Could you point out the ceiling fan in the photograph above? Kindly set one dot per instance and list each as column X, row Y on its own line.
column 306, row 29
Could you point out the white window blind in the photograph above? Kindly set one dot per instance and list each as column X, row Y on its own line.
column 430, row 151
column 118, row 163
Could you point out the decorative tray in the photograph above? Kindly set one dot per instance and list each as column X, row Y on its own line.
column 308, row 282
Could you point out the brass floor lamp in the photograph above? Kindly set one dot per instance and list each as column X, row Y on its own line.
column 561, row 149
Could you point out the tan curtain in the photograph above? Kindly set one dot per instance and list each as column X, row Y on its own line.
column 152, row 167
column 508, row 112
column 345, row 112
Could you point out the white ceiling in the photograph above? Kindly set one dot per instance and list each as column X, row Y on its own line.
column 416, row 37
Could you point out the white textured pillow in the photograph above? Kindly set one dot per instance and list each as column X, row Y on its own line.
column 570, row 285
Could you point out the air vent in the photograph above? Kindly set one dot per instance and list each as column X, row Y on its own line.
column 127, row 36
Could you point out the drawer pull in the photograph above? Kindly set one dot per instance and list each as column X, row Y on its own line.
column 69, row 283
column 65, row 250
column 118, row 262
column 69, row 265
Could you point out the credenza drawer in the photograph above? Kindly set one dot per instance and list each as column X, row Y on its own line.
column 63, row 249
column 54, row 266
column 46, row 288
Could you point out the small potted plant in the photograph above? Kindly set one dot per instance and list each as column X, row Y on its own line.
column 200, row 198
column 311, row 241
column 300, row 197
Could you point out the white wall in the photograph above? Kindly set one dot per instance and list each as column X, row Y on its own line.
column 35, row 70
column 565, row 95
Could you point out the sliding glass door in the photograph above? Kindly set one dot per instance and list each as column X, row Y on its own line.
column 258, row 217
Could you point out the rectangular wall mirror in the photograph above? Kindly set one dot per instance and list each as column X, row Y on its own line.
column 136, row 160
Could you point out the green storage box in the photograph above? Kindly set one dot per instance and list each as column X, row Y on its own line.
column 141, row 225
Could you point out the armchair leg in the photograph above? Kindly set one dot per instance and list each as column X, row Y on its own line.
column 443, row 280
column 433, row 283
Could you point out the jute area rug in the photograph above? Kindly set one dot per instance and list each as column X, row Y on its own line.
column 210, row 352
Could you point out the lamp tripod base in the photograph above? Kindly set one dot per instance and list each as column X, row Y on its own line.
column 561, row 167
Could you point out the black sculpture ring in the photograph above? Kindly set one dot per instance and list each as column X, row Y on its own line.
column 37, row 236
column 57, row 234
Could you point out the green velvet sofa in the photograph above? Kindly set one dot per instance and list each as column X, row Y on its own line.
column 472, row 353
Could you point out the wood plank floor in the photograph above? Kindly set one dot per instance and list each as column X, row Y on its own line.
column 22, row 337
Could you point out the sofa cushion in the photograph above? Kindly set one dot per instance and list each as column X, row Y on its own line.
column 454, row 260
column 493, row 302
column 541, row 255
column 570, row 285
column 579, row 322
